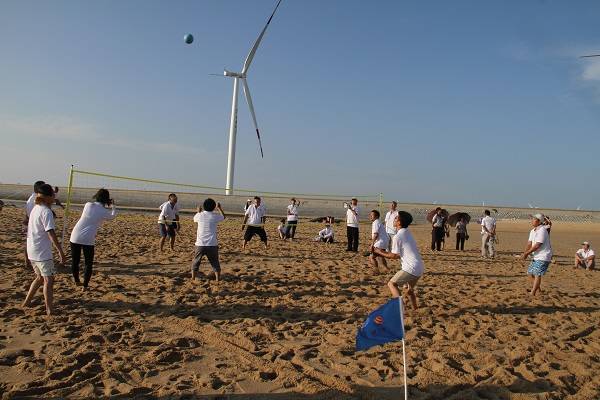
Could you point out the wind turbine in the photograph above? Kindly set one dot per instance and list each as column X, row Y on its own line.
column 237, row 77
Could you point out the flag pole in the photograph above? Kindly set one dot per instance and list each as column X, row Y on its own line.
column 404, row 363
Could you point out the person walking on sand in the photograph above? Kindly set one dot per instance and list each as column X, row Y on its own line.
column 352, row 218
column 404, row 247
column 539, row 246
column 379, row 239
column 40, row 238
column 461, row 234
column 390, row 216
column 292, row 219
column 83, row 236
column 585, row 257
column 488, row 235
column 168, row 221
column 254, row 222
column 438, row 226
column 206, row 237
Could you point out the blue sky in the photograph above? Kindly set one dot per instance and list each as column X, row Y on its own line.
column 459, row 102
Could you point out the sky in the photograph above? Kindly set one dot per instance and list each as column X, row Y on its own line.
column 435, row 101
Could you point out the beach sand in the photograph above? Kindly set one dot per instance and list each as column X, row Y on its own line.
column 282, row 322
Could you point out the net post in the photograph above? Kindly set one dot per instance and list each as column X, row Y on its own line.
column 68, row 206
column 380, row 202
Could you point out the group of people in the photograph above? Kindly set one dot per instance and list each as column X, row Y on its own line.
column 390, row 239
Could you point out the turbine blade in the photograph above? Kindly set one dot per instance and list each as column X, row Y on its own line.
column 251, row 107
column 590, row 55
column 253, row 50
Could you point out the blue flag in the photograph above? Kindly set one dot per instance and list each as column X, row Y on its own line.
column 386, row 324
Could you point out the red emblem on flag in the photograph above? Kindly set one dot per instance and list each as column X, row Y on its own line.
column 379, row 320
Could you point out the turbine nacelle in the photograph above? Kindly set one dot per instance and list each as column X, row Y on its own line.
column 233, row 74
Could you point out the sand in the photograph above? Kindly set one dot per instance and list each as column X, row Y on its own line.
column 282, row 322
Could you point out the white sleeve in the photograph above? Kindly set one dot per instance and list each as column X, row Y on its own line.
column 396, row 245
column 197, row 217
column 47, row 220
column 540, row 235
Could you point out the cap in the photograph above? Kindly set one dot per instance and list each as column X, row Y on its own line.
column 586, row 243
column 538, row 216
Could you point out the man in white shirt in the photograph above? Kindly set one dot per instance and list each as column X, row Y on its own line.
column 254, row 222
column 40, row 239
column 585, row 257
column 326, row 234
column 488, row 235
column 206, row 237
column 404, row 247
column 352, row 218
column 390, row 216
column 292, row 219
column 539, row 246
column 29, row 204
column 168, row 221
column 379, row 239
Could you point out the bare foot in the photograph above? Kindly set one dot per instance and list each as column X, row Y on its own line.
column 84, row 289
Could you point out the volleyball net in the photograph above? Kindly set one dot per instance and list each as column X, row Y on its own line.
column 142, row 195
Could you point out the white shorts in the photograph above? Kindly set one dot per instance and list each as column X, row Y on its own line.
column 43, row 268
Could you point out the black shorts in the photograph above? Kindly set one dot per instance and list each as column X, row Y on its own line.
column 255, row 230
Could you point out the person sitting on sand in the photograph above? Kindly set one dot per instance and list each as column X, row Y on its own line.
column 83, row 236
column 281, row 228
column 168, row 221
column 40, row 238
column 379, row 239
column 254, row 222
column 404, row 247
column 539, row 246
column 585, row 257
column 1, row 205
column 206, row 237
column 326, row 234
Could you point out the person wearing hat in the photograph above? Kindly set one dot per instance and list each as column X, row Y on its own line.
column 404, row 247
column 585, row 257
column 539, row 246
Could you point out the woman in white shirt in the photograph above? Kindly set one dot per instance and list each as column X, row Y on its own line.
column 83, row 236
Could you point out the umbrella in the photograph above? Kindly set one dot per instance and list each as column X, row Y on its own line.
column 431, row 213
column 454, row 218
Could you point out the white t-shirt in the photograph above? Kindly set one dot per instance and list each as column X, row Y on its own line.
column 293, row 209
column 39, row 246
column 30, row 203
column 389, row 222
column 351, row 219
column 489, row 223
column 168, row 213
column 255, row 214
column 585, row 254
column 540, row 235
column 382, row 237
column 207, row 227
column 92, row 217
column 403, row 244
column 326, row 233
column 437, row 221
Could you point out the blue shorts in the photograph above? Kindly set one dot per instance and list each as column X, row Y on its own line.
column 167, row 230
column 538, row 267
